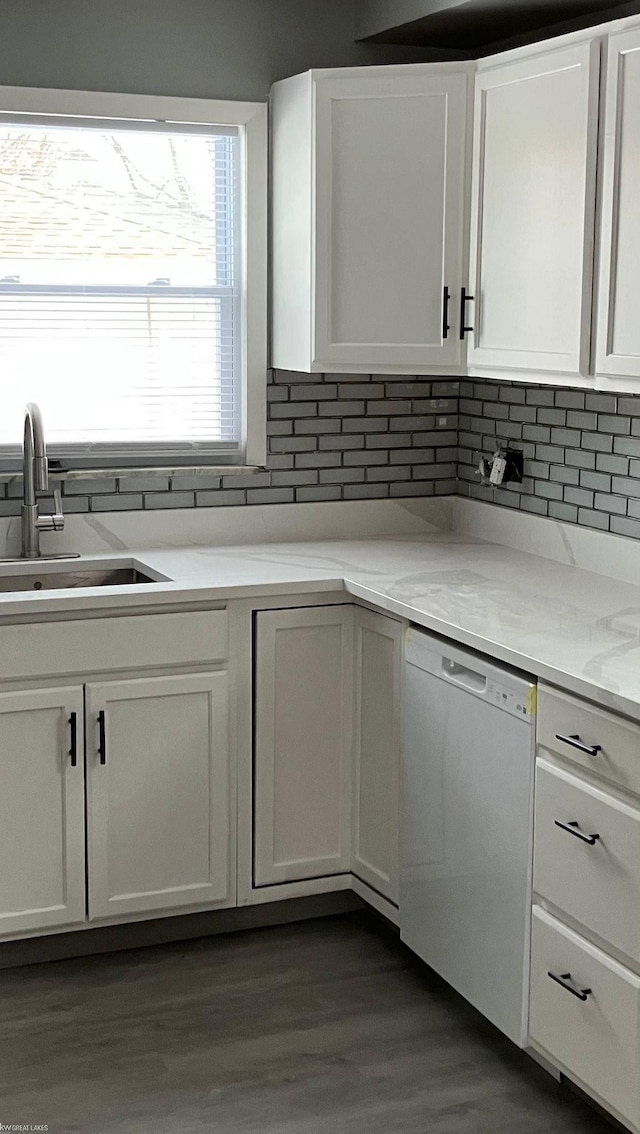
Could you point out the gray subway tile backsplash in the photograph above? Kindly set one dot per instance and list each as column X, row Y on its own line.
column 318, row 493
column 270, row 496
column 168, row 500
column 225, row 496
column 122, row 503
column 359, row 437
column 346, row 436
column 583, row 469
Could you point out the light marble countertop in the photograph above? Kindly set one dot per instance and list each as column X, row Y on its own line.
column 574, row 628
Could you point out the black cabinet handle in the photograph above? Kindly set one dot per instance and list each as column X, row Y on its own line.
column 73, row 751
column 464, row 299
column 564, row 980
column 445, row 312
column 102, row 738
column 574, row 741
column 574, row 829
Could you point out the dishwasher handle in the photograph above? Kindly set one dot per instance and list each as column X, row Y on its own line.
column 464, row 675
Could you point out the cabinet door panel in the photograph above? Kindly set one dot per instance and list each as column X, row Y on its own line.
column 377, row 752
column 390, row 206
column 302, row 756
column 618, row 348
column 42, row 876
column 533, row 212
column 159, row 823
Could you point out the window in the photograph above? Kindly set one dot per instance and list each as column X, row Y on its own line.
column 132, row 277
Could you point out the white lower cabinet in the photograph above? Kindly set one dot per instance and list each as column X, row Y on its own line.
column 585, row 954
column 42, row 877
column 376, row 756
column 158, row 794
column 303, row 736
column 326, row 762
column 585, row 1014
column 117, row 795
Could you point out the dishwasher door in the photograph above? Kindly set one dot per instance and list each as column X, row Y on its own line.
column 467, row 825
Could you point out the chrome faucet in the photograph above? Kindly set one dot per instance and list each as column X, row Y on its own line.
column 35, row 476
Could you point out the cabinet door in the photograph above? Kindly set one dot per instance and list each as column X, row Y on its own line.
column 533, row 197
column 42, row 875
column 618, row 342
column 302, row 754
column 376, row 757
column 389, row 193
column 158, row 794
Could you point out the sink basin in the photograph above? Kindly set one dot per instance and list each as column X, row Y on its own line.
column 39, row 580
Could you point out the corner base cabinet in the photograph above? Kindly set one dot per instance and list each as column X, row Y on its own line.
column 302, row 755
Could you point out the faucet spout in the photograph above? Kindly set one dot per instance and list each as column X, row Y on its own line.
column 34, row 455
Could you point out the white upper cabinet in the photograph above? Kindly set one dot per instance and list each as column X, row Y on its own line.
column 533, row 210
column 369, row 219
column 618, row 331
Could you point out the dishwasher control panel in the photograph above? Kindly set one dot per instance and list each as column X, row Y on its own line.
column 520, row 703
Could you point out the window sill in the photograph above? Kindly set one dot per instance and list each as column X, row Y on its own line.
column 127, row 471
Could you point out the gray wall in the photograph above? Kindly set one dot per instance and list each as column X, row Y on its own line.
column 203, row 48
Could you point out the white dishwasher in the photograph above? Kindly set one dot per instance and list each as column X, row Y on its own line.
column 467, row 824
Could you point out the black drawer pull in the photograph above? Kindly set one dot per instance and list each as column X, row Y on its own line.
column 102, row 738
column 574, row 829
column 575, row 742
column 73, row 751
column 564, row 980
column 445, row 312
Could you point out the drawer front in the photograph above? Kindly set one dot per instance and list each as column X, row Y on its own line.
column 597, row 883
column 103, row 644
column 597, row 1039
column 617, row 740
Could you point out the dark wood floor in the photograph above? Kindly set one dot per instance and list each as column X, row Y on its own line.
column 324, row 1026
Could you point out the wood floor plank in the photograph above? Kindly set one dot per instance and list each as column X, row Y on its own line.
column 324, row 1027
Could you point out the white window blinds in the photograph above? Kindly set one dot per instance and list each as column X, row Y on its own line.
column 120, row 297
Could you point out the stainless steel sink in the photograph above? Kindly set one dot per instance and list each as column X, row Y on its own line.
column 39, row 580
